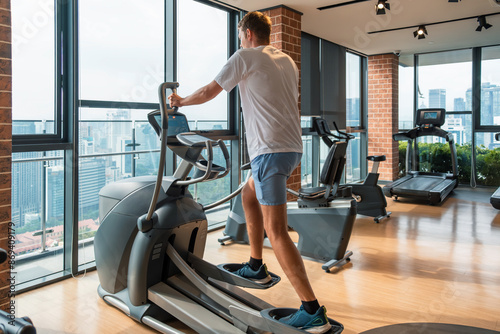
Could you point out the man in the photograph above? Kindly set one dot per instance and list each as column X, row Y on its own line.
column 268, row 82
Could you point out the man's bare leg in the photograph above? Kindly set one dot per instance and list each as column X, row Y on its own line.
column 253, row 217
column 276, row 227
column 273, row 218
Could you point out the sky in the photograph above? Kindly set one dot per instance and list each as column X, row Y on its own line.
column 455, row 78
column 121, row 54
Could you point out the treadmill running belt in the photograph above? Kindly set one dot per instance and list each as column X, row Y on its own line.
column 419, row 186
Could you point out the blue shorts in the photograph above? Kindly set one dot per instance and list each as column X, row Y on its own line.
column 270, row 173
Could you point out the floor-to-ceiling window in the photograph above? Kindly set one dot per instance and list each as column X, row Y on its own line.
column 445, row 81
column 466, row 83
column 38, row 171
column 121, row 62
column 316, row 84
column 406, row 92
column 487, row 147
column 355, row 164
column 354, row 115
column 85, row 75
column 202, row 52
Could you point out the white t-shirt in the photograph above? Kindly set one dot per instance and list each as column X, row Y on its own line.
column 269, row 87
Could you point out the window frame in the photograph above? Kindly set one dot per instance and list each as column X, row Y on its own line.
column 66, row 136
column 475, row 111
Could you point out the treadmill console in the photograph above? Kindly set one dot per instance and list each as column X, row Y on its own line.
column 434, row 117
column 177, row 123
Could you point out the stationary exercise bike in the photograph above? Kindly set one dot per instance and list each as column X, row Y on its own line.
column 368, row 194
column 9, row 324
column 323, row 217
column 150, row 244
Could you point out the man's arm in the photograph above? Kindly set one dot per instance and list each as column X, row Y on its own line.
column 202, row 95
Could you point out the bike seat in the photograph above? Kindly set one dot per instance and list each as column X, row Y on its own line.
column 312, row 192
column 376, row 158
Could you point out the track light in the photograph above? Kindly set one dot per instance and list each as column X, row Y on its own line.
column 381, row 6
column 420, row 32
column 454, row 0
column 482, row 23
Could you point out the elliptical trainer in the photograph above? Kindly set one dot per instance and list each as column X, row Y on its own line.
column 151, row 240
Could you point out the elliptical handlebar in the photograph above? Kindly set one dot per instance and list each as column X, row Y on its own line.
column 163, row 137
column 163, row 104
column 211, row 171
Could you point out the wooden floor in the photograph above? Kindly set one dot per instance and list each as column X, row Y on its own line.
column 424, row 264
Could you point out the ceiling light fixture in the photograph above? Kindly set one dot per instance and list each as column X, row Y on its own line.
column 481, row 19
column 482, row 23
column 454, row 0
column 420, row 32
column 381, row 6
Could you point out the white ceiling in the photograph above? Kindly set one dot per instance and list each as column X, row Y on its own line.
column 349, row 25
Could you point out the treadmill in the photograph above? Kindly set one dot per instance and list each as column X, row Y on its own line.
column 430, row 186
column 495, row 198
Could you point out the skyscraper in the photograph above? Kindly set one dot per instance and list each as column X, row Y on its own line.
column 55, row 192
column 92, row 177
column 437, row 98
column 459, row 104
column 27, row 186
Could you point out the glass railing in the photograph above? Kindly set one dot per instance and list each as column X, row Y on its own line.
column 38, row 213
column 109, row 151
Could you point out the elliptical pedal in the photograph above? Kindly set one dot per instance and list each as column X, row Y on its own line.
column 273, row 315
column 269, row 319
column 230, row 268
column 225, row 272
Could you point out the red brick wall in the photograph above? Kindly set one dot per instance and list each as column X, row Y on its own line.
column 286, row 36
column 5, row 142
column 383, row 112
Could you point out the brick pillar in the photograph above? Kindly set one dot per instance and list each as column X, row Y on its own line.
column 286, row 36
column 5, row 144
column 383, row 112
